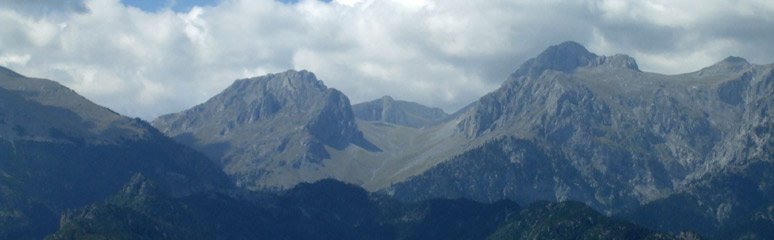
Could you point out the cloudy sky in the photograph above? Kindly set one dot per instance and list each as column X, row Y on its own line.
column 144, row 58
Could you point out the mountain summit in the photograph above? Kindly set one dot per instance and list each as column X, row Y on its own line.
column 568, row 56
column 730, row 64
column 389, row 110
column 261, row 128
column 569, row 124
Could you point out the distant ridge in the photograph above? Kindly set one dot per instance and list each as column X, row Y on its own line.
column 389, row 110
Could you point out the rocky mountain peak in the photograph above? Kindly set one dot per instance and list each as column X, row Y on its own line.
column 734, row 60
column 568, row 56
column 731, row 64
column 618, row 61
column 566, row 49
column 388, row 110
column 293, row 80
column 248, row 101
column 668, row 129
column 564, row 57
column 287, row 85
column 533, row 83
column 277, row 122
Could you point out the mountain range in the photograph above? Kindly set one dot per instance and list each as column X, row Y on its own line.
column 669, row 153
column 566, row 125
column 74, row 170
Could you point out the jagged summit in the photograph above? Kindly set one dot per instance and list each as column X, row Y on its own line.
column 568, row 56
column 274, row 123
column 618, row 61
column 565, row 57
column 667, row 129
column 290, row 80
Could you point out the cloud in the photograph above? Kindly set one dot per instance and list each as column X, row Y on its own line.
column 45, row 8
column 349, row 3
column 13, row 59
column 439, row 53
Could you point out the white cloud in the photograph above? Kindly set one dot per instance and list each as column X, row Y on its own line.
column 440, row 53
column 11, row 59
column 349, row 3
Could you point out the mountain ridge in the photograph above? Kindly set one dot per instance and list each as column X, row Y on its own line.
column 404, row 113
column 59, row 150
column 633, row 136
column 608, row 118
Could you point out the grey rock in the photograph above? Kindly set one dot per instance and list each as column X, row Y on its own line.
column 265, row 129
column 630, row 137
column 568, row 56
column 389, row 110
column 566, row 125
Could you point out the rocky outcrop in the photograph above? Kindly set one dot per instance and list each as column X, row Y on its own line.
column 262, row 129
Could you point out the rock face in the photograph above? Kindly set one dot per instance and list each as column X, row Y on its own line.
column 263, row 129
column 398, row 112
column 566, row 125
column 59, row 151
column 735, row 203
column 609, row 135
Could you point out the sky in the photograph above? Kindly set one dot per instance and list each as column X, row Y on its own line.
column 143, row 58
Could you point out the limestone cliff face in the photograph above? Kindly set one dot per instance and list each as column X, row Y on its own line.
column 630, row 137
column 261, row 128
